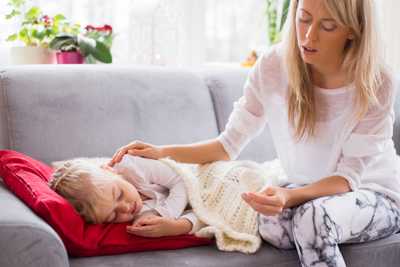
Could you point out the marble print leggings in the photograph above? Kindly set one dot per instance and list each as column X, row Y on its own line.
column 317, row 227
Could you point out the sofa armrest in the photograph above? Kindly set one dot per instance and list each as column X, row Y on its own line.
column 25, row 239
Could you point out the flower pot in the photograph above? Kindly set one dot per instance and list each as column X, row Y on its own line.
column 70, row 57
column 31, row 55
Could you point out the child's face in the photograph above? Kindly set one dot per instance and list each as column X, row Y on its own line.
column 124, row 204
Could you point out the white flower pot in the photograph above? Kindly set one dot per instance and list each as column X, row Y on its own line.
column 31, row 55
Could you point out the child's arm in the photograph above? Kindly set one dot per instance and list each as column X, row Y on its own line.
column 195, row 222
column 155, row 226
column 156, row 172
column 160, row 226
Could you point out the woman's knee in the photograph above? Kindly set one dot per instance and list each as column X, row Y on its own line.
column 311, row 221
column 276, row 232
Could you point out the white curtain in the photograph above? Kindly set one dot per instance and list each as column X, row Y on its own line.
column 185, row 32
column 166, row 32
column 389, row 15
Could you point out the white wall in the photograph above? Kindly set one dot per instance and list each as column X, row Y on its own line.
column 166, row 32
column 390, row 17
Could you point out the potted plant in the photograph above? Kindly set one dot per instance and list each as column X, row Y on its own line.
column 35, row 32
column 72, row 49
column 103, row 34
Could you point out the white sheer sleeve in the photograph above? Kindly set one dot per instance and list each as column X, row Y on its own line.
column 369, row 139
column 248, row 118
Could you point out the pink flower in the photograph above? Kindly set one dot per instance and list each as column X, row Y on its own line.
column 89, row 28
column 46, row 20
column 106, row 28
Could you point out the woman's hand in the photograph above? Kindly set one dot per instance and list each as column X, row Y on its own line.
column 155, row 226
column 137, row 148
column 269, row 202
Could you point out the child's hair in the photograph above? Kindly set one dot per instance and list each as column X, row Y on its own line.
column 80, row 182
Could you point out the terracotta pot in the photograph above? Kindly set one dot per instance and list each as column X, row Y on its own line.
column 70, row 57
column 31, row 55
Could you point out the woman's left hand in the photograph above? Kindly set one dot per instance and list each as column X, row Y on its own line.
column 270, row 201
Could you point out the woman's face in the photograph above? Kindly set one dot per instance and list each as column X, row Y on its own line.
column 123, row 205
column 320, row 38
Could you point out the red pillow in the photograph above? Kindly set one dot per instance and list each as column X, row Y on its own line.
column 27, row 178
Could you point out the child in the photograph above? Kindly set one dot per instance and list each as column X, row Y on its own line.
column 145, row 191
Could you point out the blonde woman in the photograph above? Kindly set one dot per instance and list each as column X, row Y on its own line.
column 328, row 100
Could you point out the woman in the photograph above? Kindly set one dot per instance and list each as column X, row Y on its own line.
column 328, row 100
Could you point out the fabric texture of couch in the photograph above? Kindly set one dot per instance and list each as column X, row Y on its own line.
column 57, row 112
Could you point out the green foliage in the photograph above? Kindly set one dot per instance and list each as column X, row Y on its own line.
column 36, row 28
column 276, row 12
column 85, row 45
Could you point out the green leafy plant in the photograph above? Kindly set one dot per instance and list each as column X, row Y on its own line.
column 85, row 45
column 36, row 28
column 276, row 11
column 102, row 34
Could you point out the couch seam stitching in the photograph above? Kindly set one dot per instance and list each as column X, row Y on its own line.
column 208, row 83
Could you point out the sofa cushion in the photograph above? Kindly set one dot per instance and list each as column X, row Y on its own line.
column 379, row 253
column 90, row 111
column 28, row 178
column 226, row 86
column 25, row 239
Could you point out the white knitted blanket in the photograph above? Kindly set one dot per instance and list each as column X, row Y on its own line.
column 214, row 192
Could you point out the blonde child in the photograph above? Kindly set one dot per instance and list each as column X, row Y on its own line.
column 143, row 191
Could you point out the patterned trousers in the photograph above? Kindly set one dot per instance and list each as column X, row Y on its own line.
column 315, row 228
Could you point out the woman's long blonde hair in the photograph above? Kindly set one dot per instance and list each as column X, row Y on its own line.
column 363, row 62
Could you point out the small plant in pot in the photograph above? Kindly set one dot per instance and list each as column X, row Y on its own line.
column 103, row 34
column 35, row 31
column 73, row 49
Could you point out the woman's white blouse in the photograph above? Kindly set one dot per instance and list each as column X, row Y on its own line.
column 361, row 151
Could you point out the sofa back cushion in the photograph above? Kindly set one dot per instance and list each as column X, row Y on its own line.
column 226, row 87
column 396, row 129
column 59, row 112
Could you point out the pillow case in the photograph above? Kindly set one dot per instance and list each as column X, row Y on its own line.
column 27, row 178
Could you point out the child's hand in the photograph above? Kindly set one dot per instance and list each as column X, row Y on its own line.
column 142, row 220
column 155, row 226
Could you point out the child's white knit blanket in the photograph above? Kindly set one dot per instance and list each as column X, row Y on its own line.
column 214, row 192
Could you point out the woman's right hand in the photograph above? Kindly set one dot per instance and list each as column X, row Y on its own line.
column 137, row 148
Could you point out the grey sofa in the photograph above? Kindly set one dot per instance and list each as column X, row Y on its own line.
column 58, row 112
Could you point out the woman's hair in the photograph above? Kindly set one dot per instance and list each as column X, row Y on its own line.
column 363, row 62
column 80, row 182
